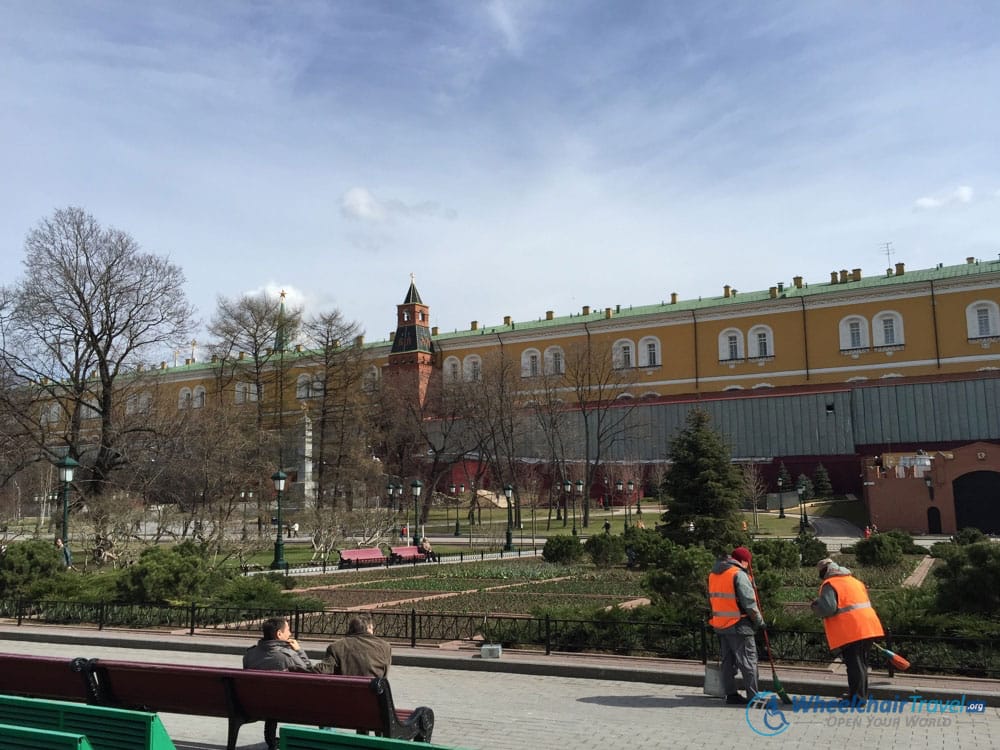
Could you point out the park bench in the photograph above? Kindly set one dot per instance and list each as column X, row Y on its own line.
column 303, row 738
column 355, row 558
column 105, row 728
column 241, row 696
column 28, row 738
column 406, row 554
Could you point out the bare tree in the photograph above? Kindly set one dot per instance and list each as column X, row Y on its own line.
column 754, row 488
column 74, row 332
column 598, row 383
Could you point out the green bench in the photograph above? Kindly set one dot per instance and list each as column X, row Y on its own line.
column 27, row 738
column 303, row 738
column 105, row 728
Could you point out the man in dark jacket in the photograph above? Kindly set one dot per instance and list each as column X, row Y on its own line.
column 360, row 653
column 277, row 651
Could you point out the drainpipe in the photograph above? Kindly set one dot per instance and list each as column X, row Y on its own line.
column 937, row 343
column 694, row 327
column 805, row 335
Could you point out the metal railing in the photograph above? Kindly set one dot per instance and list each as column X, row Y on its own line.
column 971, row 657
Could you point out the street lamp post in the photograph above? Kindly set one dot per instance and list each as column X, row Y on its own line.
column 619, row 487
column 66, row 466
column 566, row 499
column 279, row 563
column 781, row 501
column 803, row 514
column 628, row 501
column 416, row 486
column 579, row 493
column 458, row 498
column 508, row 490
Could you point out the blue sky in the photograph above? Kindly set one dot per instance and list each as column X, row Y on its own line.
column 517, row 157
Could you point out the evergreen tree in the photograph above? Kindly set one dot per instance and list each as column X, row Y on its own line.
column 703, row 489
column 808, row 493
column 784, row 477
column 821, row 482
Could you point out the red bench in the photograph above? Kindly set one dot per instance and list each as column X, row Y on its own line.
column 406, row 554
column 241, row 696
column 355, row 558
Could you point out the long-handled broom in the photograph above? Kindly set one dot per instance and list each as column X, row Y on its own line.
column 895, row 659
column 779, row 689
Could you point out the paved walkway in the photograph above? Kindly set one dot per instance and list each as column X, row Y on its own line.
column 525, row 701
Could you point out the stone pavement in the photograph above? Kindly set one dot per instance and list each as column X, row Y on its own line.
column 566, row 701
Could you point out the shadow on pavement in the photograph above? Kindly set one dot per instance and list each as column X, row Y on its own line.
column 653, row 701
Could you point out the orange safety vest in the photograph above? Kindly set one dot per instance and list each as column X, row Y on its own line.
column 722, row 596
column 854, row 620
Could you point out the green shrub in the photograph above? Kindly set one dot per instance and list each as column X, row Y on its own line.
column 167, row 575
column 969, row 580
column 770, row 554
column 645, row 548
column 681, row 579
column 881, row 550
column 905, row 541
column 605, row 550
column 969, row 535
column 562, row 549
column 811, row 549
column 32, row 569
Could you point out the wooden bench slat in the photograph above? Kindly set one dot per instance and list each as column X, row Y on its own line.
column 105, row 728
column 27, row 738
column 305, row 738
column 406, row 554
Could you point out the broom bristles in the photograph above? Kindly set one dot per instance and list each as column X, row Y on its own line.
column 897, row 661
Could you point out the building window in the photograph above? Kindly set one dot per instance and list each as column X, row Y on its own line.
column 51, row 414
column 530, row 359
column 983, row 319
column 887, row 326
column 198, row 399
column 184, row 399
column 370, row 379
column 622, row 355
column 302, row 386
column 649, row 352
column 853, row 333
column 406, row 316
column 472, row 368
column 452, row 369
column 554, row 361
column 731, row 345
column 760, row 339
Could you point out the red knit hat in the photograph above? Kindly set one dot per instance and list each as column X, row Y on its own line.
column 742, row 554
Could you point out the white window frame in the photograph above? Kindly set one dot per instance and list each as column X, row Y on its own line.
column 725, row 345
column 302, row 383
column 649, row 352
column 754, row 340
column 472, row 368
column 978, row 312
column 198, row 397
column 184, row 399
column 864, row 336
column 623, row 354
column 452, row 369
column 531, row 363
column 878, row 328
column 555, row 361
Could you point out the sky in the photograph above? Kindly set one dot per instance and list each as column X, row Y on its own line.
column 514, row 156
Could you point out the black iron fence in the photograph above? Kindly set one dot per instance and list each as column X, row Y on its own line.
column 928, row 654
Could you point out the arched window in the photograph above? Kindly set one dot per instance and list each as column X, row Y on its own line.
column 138, row 403
column 731, row 345
column 649, row 352
column 887, row 328
column 760, row 342
column 555, row 361
column 983, row 319
column 531, row 363
column 623, row 354
column 302, row 384
column 452, row 369
column 51, row 413
column 472, row 368
column 853, row 333
column 370, row 380
column 198, row 398
column 184, row 399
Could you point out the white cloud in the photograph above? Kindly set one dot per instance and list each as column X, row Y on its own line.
column 500, row 14
column 359, row 203
column 961, row 194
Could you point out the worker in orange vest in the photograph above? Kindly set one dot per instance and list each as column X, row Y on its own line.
column 735, row 618
column 850, row 622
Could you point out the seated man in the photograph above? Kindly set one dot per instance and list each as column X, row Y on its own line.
column 427, row 550
column 360, row 653
column 277, row 651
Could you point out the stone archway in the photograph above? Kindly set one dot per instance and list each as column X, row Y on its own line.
column 933, row 520
column 977, row 501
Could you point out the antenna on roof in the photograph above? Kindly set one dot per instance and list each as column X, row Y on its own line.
column 889, row 252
